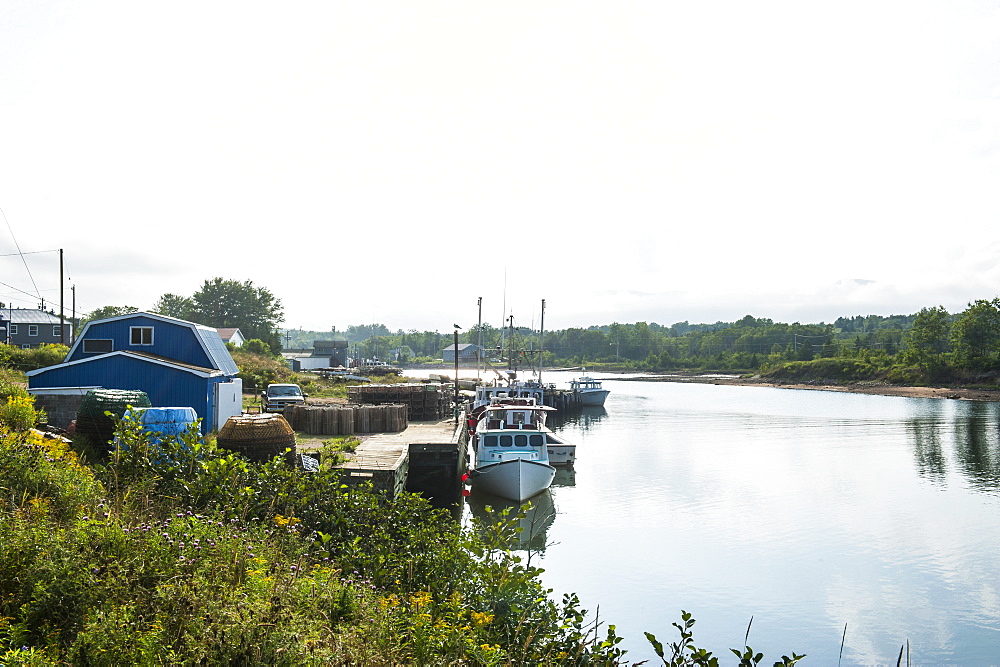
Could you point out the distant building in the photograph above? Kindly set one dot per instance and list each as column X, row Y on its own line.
column 26, row 328
column 466, row 352
column 231, row 335
column 324, row 354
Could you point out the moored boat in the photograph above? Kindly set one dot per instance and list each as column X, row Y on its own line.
column 511, row 449
column 562, row 454
column 590, row 390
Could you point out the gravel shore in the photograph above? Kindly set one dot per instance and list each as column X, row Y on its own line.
column 956, row 393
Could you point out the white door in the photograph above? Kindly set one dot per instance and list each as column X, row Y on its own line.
column 228, row 401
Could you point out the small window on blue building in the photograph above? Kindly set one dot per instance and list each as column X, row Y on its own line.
column 97, row 345
column 142, row 335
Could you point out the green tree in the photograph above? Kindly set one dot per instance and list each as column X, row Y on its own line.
column 256, row 346
column 359, row 332
column 928, row 338
column 976, row 333
column 230, row 303
column 173, row 305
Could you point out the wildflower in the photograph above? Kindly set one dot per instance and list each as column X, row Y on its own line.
column 481, row 618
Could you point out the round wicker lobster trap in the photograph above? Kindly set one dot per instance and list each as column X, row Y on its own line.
column 258, row 437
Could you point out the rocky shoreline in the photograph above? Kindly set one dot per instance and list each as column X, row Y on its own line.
column 955, row 393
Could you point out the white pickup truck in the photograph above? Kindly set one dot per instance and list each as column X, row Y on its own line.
column 277, row 396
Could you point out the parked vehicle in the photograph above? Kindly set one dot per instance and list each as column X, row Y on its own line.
column 277, row 396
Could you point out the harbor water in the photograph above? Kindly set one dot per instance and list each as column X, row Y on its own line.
column 822, row 516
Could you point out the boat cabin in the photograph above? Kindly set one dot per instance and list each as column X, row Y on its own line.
column 585, row 383
column 514, row 414
column 486, row 393
column 512, row 428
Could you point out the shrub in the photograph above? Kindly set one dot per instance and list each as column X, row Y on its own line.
column 31, row 358
column 18, row 413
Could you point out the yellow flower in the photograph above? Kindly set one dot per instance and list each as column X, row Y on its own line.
column 481, row 618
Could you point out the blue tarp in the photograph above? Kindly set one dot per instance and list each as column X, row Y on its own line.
column 166, row 421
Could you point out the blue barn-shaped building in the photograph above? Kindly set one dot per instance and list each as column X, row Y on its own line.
column 177, row 364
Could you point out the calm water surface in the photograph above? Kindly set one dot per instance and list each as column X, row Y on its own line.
column 805, row 510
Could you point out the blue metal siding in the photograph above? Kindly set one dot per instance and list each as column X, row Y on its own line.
column 166, row 386
column 174, row 341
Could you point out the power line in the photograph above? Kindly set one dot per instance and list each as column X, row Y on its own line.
column 21, row 254
column 17, row 245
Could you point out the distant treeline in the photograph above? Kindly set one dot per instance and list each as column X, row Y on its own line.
column 932, row 344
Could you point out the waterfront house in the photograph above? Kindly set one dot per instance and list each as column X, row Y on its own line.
column 231, row 335
column 466, row 352
column 28, row 327
column 177, row 364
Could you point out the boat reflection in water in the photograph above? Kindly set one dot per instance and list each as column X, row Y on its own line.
column 534, row 525
column 564, row 477
column 537, row 520
column 586, row 417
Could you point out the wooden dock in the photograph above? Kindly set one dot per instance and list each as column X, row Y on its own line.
column 427, row 457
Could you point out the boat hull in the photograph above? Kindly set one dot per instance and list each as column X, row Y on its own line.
column 515, row 479
column 594, row 397
column 561, row 454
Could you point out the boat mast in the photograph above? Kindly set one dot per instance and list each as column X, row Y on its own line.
column 479, row 352
column 541, row 340
column 511, row 363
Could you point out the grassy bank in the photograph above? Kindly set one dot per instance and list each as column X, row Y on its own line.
column 177, row 552
column 183, row 553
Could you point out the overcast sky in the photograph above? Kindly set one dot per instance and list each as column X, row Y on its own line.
column 393, row 161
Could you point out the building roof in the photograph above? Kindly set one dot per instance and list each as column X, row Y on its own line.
column 29, row 316
column 227, row 333
column 207, row 337
column 462, row 346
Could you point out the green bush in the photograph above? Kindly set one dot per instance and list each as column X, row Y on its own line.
column 27, row 359
column 258, row 370
column 826, row 371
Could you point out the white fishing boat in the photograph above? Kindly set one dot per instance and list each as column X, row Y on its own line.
column 562, row 454
column 511, row 449
column 509, row 384
column 590, row 390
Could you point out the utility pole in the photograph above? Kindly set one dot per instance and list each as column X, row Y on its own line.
column 456, row 374
column 62, row 316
